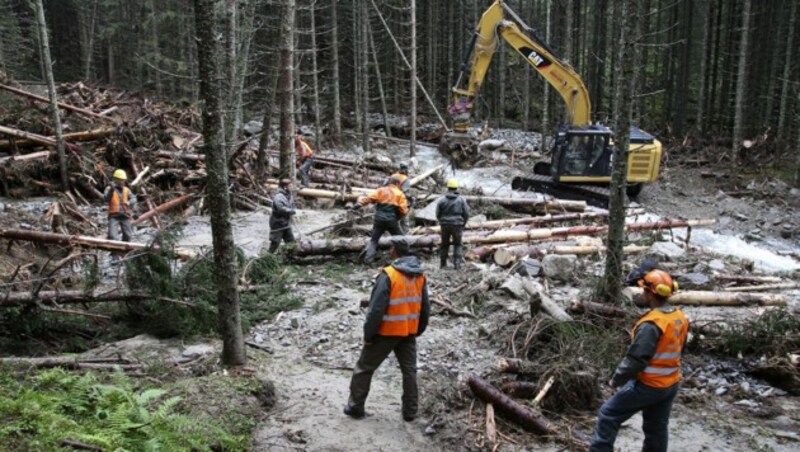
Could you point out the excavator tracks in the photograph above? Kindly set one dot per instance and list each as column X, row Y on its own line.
column 594, row 195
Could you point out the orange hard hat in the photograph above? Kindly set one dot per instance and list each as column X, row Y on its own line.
column 659, row 282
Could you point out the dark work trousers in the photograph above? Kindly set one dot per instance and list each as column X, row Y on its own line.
column 378, row 228
column 305, row 171
column 455, row 233
column 372, row 355
column 120, row 224
column 655, row 405
column 278, row 234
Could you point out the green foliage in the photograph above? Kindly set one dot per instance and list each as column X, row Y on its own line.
column 775, row 332
column 48, row 407
column 194, row 283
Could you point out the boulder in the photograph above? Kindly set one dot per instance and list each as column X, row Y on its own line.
column 559, row 266
column 492, row 145
column 693, row 281
column 666, row 251
column 529, row 267
column 717, row 265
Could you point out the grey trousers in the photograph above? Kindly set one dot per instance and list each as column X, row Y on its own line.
column 378, row 228
column 276, row 235
column 305, row 171
column 117, row 224
column 372, row 355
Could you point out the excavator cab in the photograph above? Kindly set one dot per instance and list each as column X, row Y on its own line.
column 581, row 154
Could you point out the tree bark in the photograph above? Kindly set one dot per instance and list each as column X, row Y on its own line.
column 786, row 83
column 509, row 408
column 315, row 76
column 217, row 195
column 612, row 284
column 413, row 79
column 705, row 298
column 286, row 89
column 87, row 135
column 55, row 116
column 337, row 107
column 741, row 82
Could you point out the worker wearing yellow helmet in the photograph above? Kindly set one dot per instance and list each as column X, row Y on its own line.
column 452, row 212
column 649, row 376
column 121, row 202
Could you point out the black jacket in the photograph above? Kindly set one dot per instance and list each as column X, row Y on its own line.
column 452, row 209
column 379, row 301
column 282, row 210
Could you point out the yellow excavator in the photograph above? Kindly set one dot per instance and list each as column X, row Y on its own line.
column 580, row 167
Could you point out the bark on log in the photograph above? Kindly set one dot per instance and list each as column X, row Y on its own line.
column 60, row 104
column 521, row 389
column 81, row 240
column 10, row 299
column 33, row 137
column 507, row 407
column 188, row 156
column 762, row 287
column 747, row 279
column 324, row 194
column 705, row 298
column 599, row 308
column 179, row 201
column 502, row 224
column 541, row 300
column 508, row 255
column 86, row 135
column 516, row 366
column 555, row 204
column 32, row 156
column 421, row 177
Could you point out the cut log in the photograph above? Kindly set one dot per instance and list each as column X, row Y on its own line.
column 545, row 389
column 520, row 389
column 33, row 137
column 705, row 298
column 324, row 194
column 762, row 287
column 188, row 156
column 554, row 204
column 539, row 299
column 507, row 407
column 421, row 177
column 85, row 241
column 87, row 135
column 60, row 104
column 491, row 426
column 516, row 366
column 10, row 299
column 747, row 279
column 179, row 201
column 502, row 224
column 508, row 255
column 599, row 308
column 32, row 156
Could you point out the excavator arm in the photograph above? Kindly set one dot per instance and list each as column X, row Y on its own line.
column 500, row 21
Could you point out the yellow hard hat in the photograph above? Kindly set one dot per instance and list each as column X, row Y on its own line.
column 452, row 183
column 120, row 174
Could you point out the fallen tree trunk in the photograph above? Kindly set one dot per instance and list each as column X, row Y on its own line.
column 82, row 240
column 385, row 168
column 555, row 204
column 421, row 177
column 705, row 298
column 10, row 299
column 60, row 104
column 509, row 408
column 188, row 156
column 32, row 156
column 747, row 279
column 324, row 194
column 538, row 298
column 32, row 137
column 762, row 287
column 508, row 255
column 502, row 224
column 87, row 135
column 179, row 201
column 599, row 308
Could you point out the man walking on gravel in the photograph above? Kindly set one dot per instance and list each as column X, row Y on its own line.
column 649, row 376
column 452, row 212
column 121, row 202
column 391, row 207
column 398, row 312
column 282, row 212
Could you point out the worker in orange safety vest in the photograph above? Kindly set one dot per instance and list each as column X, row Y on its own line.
column 391, row 207
column 305, row 159
column 121, row 202
column 397, row 314
column 649, row 376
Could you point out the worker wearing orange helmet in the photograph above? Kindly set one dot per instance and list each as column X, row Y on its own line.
column 649, row 376
column 121, row 202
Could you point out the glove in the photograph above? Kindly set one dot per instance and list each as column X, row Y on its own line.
column 135, row 216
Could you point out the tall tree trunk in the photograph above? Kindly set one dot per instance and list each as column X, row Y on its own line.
column 357, row 66
column 501, row 84
column 546, row 95
column 797, row 150
column 262, row 159
column 154, row 50
column 243, row 61
column 363, row 48
column 787, row 67
column 741, row 80
column 286, row 89
column 713, row 113
column 379, row 82
column 231, row 48
column 337, row 105
column 705, row 61
column 87, row 41
column 413, row 78
column 315, row 76
column 612, row 287
column 44, row 47
column 233, row 352
column 682, row 87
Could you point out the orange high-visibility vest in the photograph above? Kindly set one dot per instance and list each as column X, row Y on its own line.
column 400, row 176
column 664, row 369
column 304, row 150
column 116, row 205
column 405, row 303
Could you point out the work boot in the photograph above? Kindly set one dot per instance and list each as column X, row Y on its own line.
column 354, row 413
column 457, row 265
column 442, row 263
